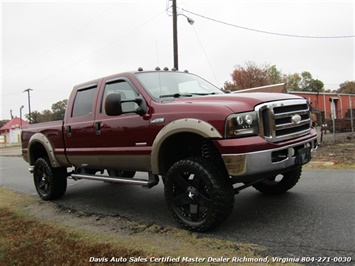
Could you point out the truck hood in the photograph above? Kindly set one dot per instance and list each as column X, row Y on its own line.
column 239, row 102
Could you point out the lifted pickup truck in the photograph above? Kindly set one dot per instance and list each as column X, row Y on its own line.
column 205, row 145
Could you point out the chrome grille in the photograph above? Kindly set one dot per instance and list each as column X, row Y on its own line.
column 283, row 120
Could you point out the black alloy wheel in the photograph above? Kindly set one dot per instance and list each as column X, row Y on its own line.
column 197, row 194
column 50, row 183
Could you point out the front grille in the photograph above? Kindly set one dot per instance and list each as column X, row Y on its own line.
column 283, row 120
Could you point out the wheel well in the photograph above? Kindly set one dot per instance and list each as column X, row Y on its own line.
column 185, row 145
column 37, row 150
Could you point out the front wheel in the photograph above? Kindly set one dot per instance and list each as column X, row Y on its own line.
column 50, row 183
column 281, row 183
column 198, row 195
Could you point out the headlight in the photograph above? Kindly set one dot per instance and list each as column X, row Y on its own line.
column 243, row 124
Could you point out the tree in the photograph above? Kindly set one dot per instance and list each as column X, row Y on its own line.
column 3, row 122
column 306, row 81
column 36, row 117
column 347, row 87
column 310, row 84
column 274, row 75
column 252, row 76
column 316, row 85
column 46, row 116
column 58, row 109
column 292, row 81
column 57, row 113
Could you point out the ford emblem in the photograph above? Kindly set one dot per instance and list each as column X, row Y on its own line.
column 296, row 119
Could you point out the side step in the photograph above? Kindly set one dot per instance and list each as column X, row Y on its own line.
column 151, row 182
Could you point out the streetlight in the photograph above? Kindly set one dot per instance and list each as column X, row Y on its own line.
column 175, row 38
column 21, row 116
column 29, row 104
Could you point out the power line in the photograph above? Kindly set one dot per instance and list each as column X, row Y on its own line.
column 205, row 53
column 269, row 32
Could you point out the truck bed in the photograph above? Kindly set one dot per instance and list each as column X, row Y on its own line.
column 51, row 130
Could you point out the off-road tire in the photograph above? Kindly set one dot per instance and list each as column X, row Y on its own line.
column 197, row 194
column 50, row 183
column 272, row 187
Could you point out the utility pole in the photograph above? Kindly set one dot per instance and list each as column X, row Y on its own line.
column 175, row 35
column 175, row 41
column 29, row 104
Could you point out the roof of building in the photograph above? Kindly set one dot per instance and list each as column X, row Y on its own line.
column 14, row 123
column 281, row 87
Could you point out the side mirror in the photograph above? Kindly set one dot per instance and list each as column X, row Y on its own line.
column 113, row 105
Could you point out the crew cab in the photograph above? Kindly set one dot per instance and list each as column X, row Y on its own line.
column 204, row 144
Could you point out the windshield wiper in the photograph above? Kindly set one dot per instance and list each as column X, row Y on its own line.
column 175, row 95
column 190, row 94
column 203, row 93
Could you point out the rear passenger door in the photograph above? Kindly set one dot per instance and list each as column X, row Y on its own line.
column 79, row 130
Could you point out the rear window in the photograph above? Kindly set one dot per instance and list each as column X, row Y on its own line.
column 83, row 102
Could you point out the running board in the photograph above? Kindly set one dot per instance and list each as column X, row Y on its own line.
column 151, row 182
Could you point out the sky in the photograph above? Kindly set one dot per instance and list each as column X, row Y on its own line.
column 50, row 46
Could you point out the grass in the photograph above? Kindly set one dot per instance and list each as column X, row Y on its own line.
column 27, row 240
column 335, row 156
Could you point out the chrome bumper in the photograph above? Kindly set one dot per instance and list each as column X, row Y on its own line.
column 265, row 161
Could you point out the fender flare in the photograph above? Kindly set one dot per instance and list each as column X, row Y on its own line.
column 186, row 125
column 44, row 141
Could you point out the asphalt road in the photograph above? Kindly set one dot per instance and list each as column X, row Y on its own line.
column 315, row 219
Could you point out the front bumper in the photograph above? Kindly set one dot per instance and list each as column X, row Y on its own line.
column 271, row 160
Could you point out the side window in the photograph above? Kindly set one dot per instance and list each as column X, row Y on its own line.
column 83, row 102
column 127, row 93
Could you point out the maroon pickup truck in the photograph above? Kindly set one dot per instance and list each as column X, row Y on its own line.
column 205, row 145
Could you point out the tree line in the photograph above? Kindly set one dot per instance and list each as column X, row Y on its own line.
column 57, row 113
column 252, row 75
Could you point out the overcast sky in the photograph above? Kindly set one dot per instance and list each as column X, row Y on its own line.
column 52, row 46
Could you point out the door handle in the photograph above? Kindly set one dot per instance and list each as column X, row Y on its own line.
column 98, row 128
column 69, row 131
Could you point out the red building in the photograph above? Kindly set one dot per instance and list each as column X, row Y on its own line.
column 329, row 104
column 10, row 133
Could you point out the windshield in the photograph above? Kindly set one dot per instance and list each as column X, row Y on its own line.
column 175, row 84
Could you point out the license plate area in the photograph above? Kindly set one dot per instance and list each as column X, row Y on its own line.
column 303, row 156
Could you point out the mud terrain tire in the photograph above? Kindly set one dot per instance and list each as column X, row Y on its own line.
column 273, row 187
column 198, row 195
column 50, row 183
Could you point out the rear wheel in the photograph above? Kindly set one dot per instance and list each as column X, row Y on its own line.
column 198, row 195
column 50, row 183
column 281, row 183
